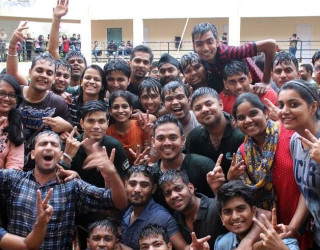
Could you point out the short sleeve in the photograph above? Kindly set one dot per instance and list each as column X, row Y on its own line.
column 2, row 233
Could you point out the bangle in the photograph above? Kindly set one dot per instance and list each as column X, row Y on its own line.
column 12, row 55
column 67, row 156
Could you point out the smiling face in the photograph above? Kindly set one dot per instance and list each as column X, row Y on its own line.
column 284, row 72
column 195, row 75
column 251, row 120
column 208, row 110
column 178, row 195
column 150, row 101
column 94, row 125
column 140, row 64
column 91, row 83
column 154, row 242
column 236, row 216
column 46, row 153
column 238, row 84
column 78, row 66
column 117, row 80
column 42, row 75
column 61, row 80
column 139, row 189
column 8, row 98
column 168, row 73
column 295, row 113
column 206, row 46
column 120, row 110
column 102, row 238
column 168, row 141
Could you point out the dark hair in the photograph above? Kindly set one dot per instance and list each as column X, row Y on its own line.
column 234, row 67
column 145, row 170
column 153, row 230
column 315, row 57
column 167, row 118
column 117, row 65
column 148, row 85
column 259, row 60
column 173, row 174
column 92, row 106
column 253, row 99
column 108, row 224
column 204, row 91
column 103, row 83
column 14, row 128
column 306, row 90
column 308, row 67
column 233, row 189
column 189, row 59
column 285, row 57
column 154, row 64
column 44, row 57
column 142, row 48
column 48, row 133
column 172, row 86
column 75, row 53
column 202, row 28
column 63, row 63
column 120, row 93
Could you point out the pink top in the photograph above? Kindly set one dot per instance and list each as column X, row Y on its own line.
column 10, row 156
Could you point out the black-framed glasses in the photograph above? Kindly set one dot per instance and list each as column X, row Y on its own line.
column 10, row 96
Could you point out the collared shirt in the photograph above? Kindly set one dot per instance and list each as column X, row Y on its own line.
column 207, row 222
column 230, row 241
column 198, row 142
column 19, row 189
column 153, row 213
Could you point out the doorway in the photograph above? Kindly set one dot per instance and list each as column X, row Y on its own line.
column 304, row 32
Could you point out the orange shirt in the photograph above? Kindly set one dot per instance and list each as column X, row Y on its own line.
column 133, row 137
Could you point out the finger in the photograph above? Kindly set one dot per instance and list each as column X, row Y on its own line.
column 48, row 196
column 312, row 138
column 269, row 104
column 72, row 132
column 274, row 217
column 266, row 222
column 112, row 155
column 148, row 117
column 204, row 239
column 305, row 141
column 259, row 224
column 132, row 152
column 138, row 151
column 84, row 141
column 233, row 162
column 194, row 238
column 59, row 168
column 67, row 3
column 39, row 200
column 218, row 163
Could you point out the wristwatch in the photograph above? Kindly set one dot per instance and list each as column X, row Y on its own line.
column 63, row 164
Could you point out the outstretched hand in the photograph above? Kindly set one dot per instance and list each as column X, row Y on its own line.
column 17, row 35
column 61, row 8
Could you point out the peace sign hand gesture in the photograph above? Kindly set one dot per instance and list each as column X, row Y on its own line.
column 313, row 143
column 216, row 178
column 45, row 210
column 236, row 169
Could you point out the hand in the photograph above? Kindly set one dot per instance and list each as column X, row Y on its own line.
column 61, row 9
column 45, row 210
column 17, row 35
column 72, row 144
column 57, row 124
column 64, row 175
column 313, row 143
column 236, row 169
column 135, row 114
column 274, row 111
column 216, row 178
column 269, row 236
column 260, row 88
column 100, row 159
column 64, row 136
column 199, row 244
column 67, row 97
column 140, row 158
column 145, row 124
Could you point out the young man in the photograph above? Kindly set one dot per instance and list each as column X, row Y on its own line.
column 237, row 80
column 237, row 211
column 293, row 44
column 316, row 65
column 154, row 70
column 175, row 96
column 305, row 73
column 169, row 69
column 206, row 43
column 140, row 186
column 62, row 77
column 154, row 236
column 216, row 135
column 194, row 212
column 285, row 67
column 168, row 141
column 140, row 62
column 67, row 198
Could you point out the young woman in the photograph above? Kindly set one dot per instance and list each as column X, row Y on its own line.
column 11, row 137
column 93, row 86
column 299, row 111
column 149, row 96
column 127, row 131
column 264, row 159
column 66, row 44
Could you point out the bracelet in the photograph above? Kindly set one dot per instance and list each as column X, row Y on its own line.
column 64, row 164
column 67, row 156
column 12, row 55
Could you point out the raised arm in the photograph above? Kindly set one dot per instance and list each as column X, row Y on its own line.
column 59, row 11
column 269, row 48
column 12, row 58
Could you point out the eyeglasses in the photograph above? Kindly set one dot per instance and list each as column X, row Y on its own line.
column 10, row 96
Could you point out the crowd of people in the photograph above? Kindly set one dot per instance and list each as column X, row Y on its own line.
column 217, row 150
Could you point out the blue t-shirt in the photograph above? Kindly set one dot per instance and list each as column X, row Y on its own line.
column 2, row 233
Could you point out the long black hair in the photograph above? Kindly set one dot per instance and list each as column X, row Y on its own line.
column 14, row 128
